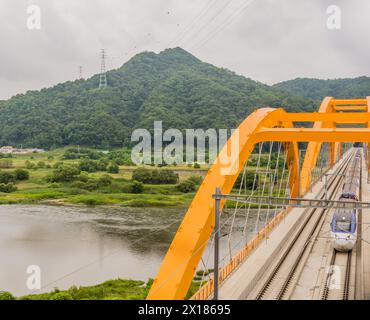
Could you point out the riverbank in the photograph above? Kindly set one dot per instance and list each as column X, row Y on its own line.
column 101, row 179
column 73, row 197
column 119, row 289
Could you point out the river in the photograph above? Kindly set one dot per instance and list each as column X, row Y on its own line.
column 87, row 246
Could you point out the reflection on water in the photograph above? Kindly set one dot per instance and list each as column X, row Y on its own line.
column 82, row 246
column 86, row 246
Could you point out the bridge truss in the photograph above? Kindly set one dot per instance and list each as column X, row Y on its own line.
column 286, row 175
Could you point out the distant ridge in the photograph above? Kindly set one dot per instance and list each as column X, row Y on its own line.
column 318, row 89
column 173, row 86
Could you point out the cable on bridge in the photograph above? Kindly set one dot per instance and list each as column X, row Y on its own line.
column 259, row 137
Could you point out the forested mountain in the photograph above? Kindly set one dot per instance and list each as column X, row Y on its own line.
column 172, row 86
column 318, row 89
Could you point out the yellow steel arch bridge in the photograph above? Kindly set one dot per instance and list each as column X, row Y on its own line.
column 337, row 121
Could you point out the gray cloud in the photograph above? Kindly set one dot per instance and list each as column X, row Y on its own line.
column 269, row 41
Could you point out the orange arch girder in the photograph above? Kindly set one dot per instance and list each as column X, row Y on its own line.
column 185, row 252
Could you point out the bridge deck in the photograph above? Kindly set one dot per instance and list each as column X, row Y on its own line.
column 244, row 279
column 365, row 236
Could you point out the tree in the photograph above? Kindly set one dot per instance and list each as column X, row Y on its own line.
column 7, row 187
column 6, row 177
column 113, row 168
column 155, row 176
column 137, row 187
column 173, row 86
column 105, row 180
column 251, row 178
column 88, row 165
column 65, row 173
column 41, row 164
column 187, row 186
column 21, row 175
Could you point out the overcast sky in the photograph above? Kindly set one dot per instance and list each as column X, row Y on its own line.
column 267, row 40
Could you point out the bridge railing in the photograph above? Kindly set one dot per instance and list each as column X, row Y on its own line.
column 206, row 291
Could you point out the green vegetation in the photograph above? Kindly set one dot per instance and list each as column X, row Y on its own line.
column 119, row 289
column 137, row 187
column 190, row 185
column 57, row 179
column 110, row 290
column 6, row 296
column 316, row 89
column 172, row 86
column 251, row 180
column 63, row 177
column 155, row 176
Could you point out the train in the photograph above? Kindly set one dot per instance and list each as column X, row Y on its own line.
column 345, row 220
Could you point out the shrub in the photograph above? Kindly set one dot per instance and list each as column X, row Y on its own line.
column 113, row 168
column 102, row 164
column 7, row 187
column 41, row 164
column 88, row 165
column 58, row 164
column 30, row 165
column 6, row 177
column 61, row 296
column 187, row 186
column 121, row 157
column 6, row 164
column 196, row 179
column 65, row 173
column 248, row 181
column 83, row 177
column 4, row 295
column 78, row 184
column 105, row 180
column 21, row 175
column 197, row 166
column 55, row 185
column 137, row 187
column 90, row 185
column 153, row 176
column 79, row 153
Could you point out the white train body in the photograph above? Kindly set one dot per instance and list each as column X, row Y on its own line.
column 344, row 230
column 344, row 222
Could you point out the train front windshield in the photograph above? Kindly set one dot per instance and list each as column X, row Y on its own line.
column 344, row 221
column 343, row 226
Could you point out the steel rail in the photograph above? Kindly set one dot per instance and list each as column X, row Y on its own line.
column 336, row 180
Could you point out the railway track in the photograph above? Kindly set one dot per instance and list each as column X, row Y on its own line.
column 332, row 289
column 284, row 273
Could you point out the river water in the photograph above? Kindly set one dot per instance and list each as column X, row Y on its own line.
column 87, row 246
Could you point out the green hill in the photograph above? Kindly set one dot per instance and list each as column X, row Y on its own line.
column 172, row 86
column 318, row 89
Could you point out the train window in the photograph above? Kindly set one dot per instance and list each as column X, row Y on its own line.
column 343, row 226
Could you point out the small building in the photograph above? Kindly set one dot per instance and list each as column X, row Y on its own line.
column 12, row 150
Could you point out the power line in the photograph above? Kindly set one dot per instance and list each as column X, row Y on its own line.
column 193, row 22
column 209, row 21
column 227, row 22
